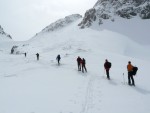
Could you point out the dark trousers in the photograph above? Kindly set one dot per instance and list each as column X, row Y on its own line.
column 107, row 73
column 79, row 66
column 130, row 78
column 83, row 68
column 58, row 61
column 37, row 58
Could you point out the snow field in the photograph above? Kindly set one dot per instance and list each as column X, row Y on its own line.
column 31, row 86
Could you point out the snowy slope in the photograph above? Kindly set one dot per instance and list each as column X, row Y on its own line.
column 6, row 41
column 73, row 39
column 127, row 17
column 60, row 24
column 4, row 36
column 136, row 29
column 30, row 86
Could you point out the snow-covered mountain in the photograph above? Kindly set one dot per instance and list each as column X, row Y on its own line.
column 128, row 17
column 61, row 23
column 3, row 35
column 31, row 86
column 109, row 9
column 70, row 37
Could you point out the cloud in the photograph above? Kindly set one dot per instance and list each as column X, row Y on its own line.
column 24, row 18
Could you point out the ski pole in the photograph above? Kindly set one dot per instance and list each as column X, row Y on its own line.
column 104, row 73
column 123, row 78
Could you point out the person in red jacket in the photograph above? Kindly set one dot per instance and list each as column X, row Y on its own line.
column 83, row 62
column 107, row 66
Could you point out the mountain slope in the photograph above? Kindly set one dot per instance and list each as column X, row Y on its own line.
column 61, row 23
column 43, row 86
column 3, row 35
column 128, row 17
column 108, row 9
column 71, row 37
column 6, row 41
column 31, row 86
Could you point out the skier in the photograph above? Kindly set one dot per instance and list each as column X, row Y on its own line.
column 58, row 59
column 12, row 50
column 83, row 62
column 25, row 54
column 79, row 63
column 107, row 66
column 37, row 55
column 130, row 74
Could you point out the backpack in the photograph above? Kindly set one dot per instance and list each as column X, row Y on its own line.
column 134, row 71
column 109, row 64
column 58, row 57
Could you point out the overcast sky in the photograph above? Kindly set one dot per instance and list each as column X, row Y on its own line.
column 22, row 19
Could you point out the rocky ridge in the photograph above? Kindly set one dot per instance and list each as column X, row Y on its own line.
column 109, row 9
column 3, row 34
column 61, row 23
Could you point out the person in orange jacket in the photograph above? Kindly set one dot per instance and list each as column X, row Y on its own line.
column 130, row 75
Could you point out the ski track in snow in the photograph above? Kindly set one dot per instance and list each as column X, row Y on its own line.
column 91, row 95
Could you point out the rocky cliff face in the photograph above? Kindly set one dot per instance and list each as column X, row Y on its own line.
column 3, row 34
column 108, row 9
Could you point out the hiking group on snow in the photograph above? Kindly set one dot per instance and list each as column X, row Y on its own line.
column 81, row 64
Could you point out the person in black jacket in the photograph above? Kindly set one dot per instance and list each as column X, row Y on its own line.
column 79, row 63
column 25, row 54
column 58, row 59
column 37, row 55
column 83, row 62
column 107, row 66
